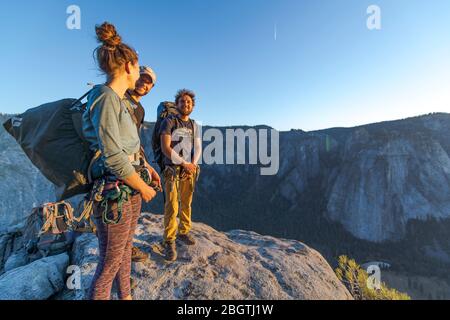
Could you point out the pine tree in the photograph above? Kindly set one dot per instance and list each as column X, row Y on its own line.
column 356, row 279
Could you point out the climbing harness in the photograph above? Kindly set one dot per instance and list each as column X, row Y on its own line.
column 110, row 189
column 177, row 174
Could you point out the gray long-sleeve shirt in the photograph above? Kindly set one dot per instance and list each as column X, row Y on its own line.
column 108, row 127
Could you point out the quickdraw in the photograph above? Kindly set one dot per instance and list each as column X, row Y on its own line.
column 120, row 194
column 88, row 207
column 84, row 222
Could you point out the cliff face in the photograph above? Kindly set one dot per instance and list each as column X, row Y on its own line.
column 371, row 179
column 388, row 176
column 234, row 265
column 22, row 186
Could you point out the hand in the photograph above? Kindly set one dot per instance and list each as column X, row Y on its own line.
column 189, row 167
column 154, row 175
column 147, row 193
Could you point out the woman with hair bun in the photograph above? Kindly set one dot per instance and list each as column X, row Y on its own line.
column 109, row 127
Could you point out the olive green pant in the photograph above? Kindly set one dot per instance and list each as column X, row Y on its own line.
column 178, row 193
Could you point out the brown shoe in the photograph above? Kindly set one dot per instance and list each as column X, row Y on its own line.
column 137, row 255
column 170, row 250
column 187, row 239
column 133, row 284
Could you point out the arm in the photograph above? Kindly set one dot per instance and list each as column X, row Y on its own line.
column 167, row 150
column 153, row 174
column 135, row 182
column 197, row 150
column 166, row 140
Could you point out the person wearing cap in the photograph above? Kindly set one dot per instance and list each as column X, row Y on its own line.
column 144, row 85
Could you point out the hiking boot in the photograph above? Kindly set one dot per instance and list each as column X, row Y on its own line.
column 187, row 239
column 137, row 255
column 133, row 284
column 170, row 249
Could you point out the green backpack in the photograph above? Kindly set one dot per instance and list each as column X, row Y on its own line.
column 164, row 110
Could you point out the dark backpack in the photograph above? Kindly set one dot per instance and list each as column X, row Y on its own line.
column 165, row 109
column 51, row 136
column 48, row 230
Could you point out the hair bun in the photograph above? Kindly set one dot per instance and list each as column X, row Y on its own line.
column 107, row 34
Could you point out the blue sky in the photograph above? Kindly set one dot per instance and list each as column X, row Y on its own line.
column 324, row 69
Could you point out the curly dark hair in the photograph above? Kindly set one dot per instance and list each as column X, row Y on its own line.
column 185, row 92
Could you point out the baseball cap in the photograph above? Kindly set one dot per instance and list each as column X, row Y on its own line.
column 148, row 71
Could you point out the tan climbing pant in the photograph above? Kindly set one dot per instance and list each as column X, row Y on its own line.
column 178, row 193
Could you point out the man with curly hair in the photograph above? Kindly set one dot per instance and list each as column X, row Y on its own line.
column 181, row 147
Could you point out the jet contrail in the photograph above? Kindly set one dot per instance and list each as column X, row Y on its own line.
column 275, row 32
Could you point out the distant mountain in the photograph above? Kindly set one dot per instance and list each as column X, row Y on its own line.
column 377, row 191
column 372, row 179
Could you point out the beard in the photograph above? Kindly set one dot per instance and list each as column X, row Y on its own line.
column 185, row 113
column 139, row 93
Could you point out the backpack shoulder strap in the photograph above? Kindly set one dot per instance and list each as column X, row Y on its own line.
column 130, row 109
column 81, row 98
column 194, row 124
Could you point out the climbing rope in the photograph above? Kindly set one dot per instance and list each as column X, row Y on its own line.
column 51, row 214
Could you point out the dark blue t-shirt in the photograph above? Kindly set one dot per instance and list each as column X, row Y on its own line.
column 182, row 132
